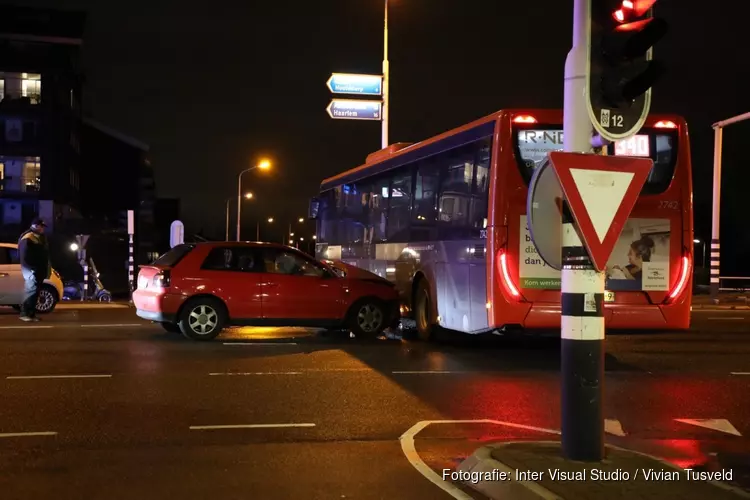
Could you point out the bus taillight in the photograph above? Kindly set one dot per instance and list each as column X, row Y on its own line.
column 504, row 270
column 524, row 119
column 682, row 280
column 665, row 124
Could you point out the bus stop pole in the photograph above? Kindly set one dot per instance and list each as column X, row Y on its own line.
column 582, row 287
column 386, row 112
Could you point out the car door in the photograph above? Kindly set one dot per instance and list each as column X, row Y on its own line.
column 11, row 278
column 299, row 289
column 231, row 273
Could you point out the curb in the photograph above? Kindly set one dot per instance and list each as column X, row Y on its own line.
column 481, row 462
column 719, row 307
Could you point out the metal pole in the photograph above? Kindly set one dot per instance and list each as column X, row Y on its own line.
column 386, row 82
column 239, row 201
column 85, row 293
column 257, row 231
column 704, row 254
column 226, row 238
column 582, row 297
column 131, row 252
column 715, row 213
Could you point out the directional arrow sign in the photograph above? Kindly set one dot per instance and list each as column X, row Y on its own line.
column 347, row 109
column 348, row 83
column 601, row 191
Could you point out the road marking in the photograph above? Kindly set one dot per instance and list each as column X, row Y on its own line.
column 246, row 426
column 33, row 377
column 716, row 424
column 410, row 451
column 431, row 372
column 733, row 317
column 614, row 427
column 25, row 327
column 740, row 373
column 263, row 344
column 254, row 373
column 112, row 325
column 26, row 434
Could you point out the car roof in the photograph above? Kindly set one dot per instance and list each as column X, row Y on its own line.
column 257, row 244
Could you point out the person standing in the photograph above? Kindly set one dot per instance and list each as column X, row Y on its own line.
column 33, row 253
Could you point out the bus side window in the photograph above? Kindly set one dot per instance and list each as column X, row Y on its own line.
column 479, row 204
column 455, row 193
column 399, row 211
column 378, row 217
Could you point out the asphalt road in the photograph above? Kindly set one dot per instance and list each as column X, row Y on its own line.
column 98, row 404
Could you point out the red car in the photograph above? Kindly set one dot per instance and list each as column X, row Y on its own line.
column 199, row 289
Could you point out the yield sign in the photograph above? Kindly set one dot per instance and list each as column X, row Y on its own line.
column 601, row 191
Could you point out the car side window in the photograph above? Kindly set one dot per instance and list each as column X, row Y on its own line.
column 290, row 263
column 232, row 259
column 5, row 256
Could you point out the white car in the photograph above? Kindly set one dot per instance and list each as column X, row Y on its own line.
column 12, row 283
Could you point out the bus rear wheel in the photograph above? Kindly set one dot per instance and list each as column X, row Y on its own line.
column 423, row 314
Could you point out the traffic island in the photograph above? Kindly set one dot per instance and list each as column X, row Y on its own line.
column 534, row 470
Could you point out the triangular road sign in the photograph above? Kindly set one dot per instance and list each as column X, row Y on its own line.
column 601, row 191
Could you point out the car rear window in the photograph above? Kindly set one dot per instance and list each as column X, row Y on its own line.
column 533, row 142
column 174, row 256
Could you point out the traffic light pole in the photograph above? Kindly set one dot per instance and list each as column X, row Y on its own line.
column 582, row 297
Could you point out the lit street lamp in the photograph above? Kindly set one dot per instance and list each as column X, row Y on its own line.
column 257, row 228
column 263, row 165
column 248, row 196
column 74, row 247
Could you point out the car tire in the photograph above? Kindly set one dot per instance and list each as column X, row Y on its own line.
column 47, row 300
column 202, row 319
column 423, row 311
column 367, row 318
column 171, row 327
column 105, row 297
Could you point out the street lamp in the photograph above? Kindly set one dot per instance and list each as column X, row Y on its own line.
column 263, row 165
column 74, row 247
column 385, row 113
column 248, row 196
column 257, row 228
column 300, row 220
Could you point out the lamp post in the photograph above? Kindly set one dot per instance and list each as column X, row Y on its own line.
column 248, row 196
column 257, row 228
column 263, row 165
column 386, row 82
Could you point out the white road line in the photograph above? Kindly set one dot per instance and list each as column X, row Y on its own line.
column 410, row 451
column 253, row 373
column 246, row 426
column 26, row 327
column 431, row 372
column 26, row 434
column 112, row 325
column 740, row 373
column 264, row 344
column 732, row 317
column 34, row 377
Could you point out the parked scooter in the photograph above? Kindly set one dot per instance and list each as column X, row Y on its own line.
column 73, row 290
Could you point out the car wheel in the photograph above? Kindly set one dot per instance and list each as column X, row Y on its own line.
column 202, row 319
column 47, row 299
column 105, row 297
column 170, row 327
column 367, row 318
column 423, row 311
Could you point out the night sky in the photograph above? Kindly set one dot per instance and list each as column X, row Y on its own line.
column 212, row 87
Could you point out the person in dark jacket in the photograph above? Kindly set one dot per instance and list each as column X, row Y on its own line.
column 33, row 253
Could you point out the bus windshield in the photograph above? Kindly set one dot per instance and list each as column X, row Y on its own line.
column 533, row 143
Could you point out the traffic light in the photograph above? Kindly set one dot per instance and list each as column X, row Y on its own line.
column 621, row 70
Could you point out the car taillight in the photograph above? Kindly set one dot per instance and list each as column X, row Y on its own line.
column 161, row 279
column 503, row 269
column 682, row 279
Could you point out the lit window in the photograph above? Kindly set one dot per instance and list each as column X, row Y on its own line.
column 32, row 88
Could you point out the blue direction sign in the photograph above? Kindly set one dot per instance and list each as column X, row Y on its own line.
column 347, row 83
column 348, row 109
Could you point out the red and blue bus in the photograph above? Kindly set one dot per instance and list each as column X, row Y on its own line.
column 445, row 220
